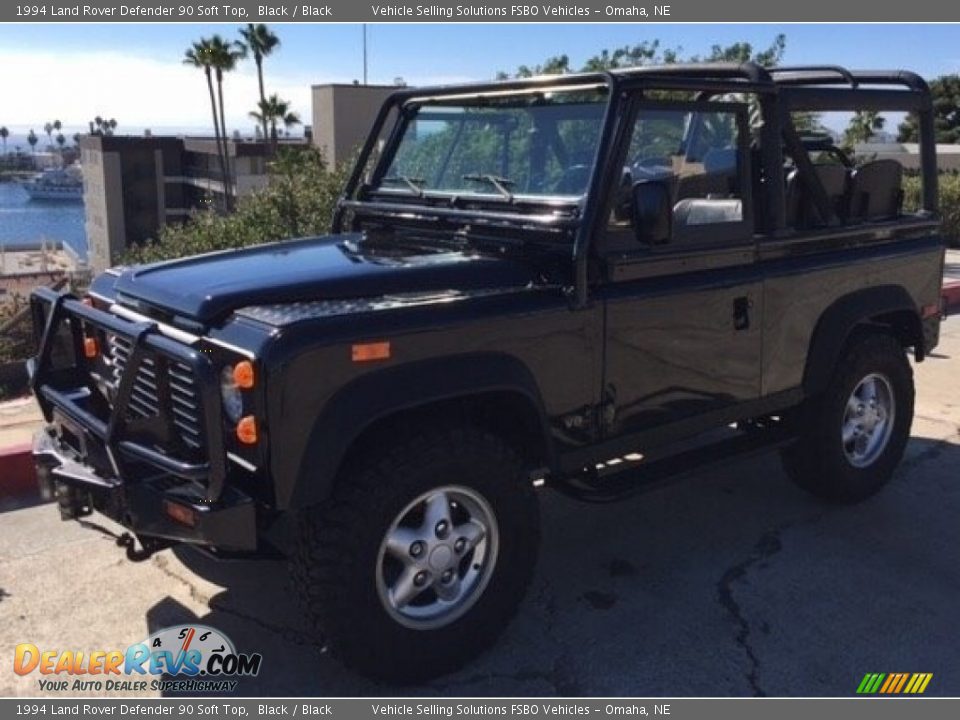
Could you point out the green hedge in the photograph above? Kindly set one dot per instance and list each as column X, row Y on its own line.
column 949, row 202
column 298, row 201
column 16, row 342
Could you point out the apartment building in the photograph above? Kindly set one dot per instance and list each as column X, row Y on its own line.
column 135, row 185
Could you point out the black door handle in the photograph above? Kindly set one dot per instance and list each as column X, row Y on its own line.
column 741, row 313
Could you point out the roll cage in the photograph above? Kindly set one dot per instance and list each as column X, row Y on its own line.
column 779, row 92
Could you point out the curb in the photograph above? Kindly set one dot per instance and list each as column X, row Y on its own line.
column 18, row 478
column 951, row 296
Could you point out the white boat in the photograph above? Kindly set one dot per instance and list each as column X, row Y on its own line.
column 55, row 184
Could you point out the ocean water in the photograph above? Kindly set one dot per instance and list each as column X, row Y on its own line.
column 23, row 220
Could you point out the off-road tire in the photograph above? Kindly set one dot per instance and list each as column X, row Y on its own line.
column 818, row 462
column 335, row 564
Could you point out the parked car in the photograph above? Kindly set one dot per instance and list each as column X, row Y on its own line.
column 585, row 282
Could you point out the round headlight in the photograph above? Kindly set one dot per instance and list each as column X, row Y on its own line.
column 231, row 395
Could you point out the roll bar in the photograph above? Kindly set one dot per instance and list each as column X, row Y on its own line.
column 779, row 90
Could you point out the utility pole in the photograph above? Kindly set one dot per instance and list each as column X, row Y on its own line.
column 364, row 53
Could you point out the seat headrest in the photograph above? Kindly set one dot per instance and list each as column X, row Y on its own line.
column 700, row 211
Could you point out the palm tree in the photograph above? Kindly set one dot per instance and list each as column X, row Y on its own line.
column 57, row 125
column 99, row 126
column 862, row 127
column 48, row 129
column 76, row 139
column 200, row 55
column 273, row 110
column 4, row 134
column 224, row 58
column 32, row 140
column 61, row 140
column 261, row 42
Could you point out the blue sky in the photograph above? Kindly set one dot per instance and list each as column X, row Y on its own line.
column 133, row 72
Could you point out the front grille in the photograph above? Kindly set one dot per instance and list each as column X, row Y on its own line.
column 147, row 395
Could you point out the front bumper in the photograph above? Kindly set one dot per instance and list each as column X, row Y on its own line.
column 158, row 507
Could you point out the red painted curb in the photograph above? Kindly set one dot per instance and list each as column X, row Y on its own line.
column 951, row 294
column 18, row 476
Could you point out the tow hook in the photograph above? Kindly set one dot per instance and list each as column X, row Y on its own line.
column 148, row 546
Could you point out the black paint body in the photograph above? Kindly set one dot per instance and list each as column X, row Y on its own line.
column 583, row 352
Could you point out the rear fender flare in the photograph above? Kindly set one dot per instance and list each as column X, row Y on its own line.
column 838, row 322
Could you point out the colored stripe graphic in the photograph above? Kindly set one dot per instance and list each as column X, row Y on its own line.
column 903, row 681
column 894, row 683
column 891, row 678
column 870, row 683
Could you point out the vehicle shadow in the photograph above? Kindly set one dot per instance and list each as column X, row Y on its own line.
column 728, row 582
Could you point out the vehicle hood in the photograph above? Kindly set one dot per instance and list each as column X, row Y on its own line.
column 208, row 287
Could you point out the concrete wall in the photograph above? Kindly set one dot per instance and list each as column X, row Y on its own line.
column 908, row 154
column 103, row 204
column 343, row 116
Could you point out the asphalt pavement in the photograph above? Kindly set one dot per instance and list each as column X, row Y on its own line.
column 729, row 582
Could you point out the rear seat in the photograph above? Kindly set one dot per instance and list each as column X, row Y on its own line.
column 876, row 192
column 835, row 181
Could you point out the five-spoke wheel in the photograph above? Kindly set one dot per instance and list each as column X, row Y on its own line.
column 437, row 556
column 868, row 420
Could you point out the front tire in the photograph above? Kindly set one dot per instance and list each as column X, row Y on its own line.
column 422, row 555
column 853, row 436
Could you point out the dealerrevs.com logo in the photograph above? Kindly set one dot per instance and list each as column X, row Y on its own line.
column 187, row 658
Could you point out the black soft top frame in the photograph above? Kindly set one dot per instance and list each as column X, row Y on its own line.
column 780, row 91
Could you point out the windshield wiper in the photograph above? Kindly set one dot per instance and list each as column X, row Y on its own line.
column 499, row 183
column 414, row 183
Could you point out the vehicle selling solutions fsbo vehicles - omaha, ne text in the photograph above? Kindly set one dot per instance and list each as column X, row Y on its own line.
column 536, row 282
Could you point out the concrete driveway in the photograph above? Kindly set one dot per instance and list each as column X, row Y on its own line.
column 730, row 582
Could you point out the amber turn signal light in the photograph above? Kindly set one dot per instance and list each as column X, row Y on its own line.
column 247, row 430
column 366, row 352
column 243, row 375
column 90, row 348
column 179, row 513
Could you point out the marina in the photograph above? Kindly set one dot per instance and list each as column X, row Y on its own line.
column 26, row 224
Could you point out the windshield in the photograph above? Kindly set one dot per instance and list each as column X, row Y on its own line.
column 537, row 144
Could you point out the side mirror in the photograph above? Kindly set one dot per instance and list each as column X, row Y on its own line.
column 652, row 212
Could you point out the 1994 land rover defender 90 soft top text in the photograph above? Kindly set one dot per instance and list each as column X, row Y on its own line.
column 538, row 280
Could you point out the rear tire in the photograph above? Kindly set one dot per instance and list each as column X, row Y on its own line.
column 422, row 555
column 853, row 436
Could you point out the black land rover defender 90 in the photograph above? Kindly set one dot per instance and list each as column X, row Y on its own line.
column 588, row 282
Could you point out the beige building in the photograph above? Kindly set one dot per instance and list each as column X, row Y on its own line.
column 133, row 186
column 343, row 116
column 23, row 267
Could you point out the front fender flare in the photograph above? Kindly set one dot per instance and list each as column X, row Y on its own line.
column 380, row 394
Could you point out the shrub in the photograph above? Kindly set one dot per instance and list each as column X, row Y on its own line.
column 949, row 202
column 16, row 344
column 298, row 201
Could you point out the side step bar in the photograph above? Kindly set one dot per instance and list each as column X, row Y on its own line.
column 603, row 485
